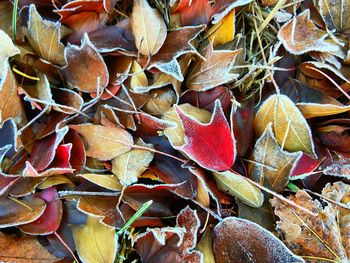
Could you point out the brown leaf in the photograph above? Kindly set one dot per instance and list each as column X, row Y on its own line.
column 300, row 35
column 23, row 249
column 16, row 212
column 10, row 101
column 104, row 143
column 271, row 166
column 213, row 71
column 239, row 240
column 336, row 15
column 85, row 69
column 171, row 244
column 45, row 37
column 321, row 236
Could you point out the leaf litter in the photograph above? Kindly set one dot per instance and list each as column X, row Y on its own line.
column 174, row 131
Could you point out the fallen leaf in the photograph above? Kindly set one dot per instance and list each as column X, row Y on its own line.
column 171, row 244
column 129, row 166
column 235, row 185
column 300, row 35
column 237, row 239
column 104, row 143
column 148, row 27
column 336, row 15
column 45, row 37
column 213, row 70
column 270, row 165
column 95, row 242
column 211, row 145
column 290, row 128
column 50, row 220
column 176, row 133
column 7, row 50
column 90, row 76
column 16, row 212
column 23, row 249
column 195, row 12
column 108, row 181
column 224, row 31
column 205, row 245
column 317, row 237
column 10, row 102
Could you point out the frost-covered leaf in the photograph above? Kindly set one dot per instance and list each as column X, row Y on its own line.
column 239, row 240
column 290, row 127
column 108, row 181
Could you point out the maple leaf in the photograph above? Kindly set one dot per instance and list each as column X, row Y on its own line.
column 213, row 70
column 171, row 243
column 323, row 237
column 176, row 44
column 211, row 145
column 300, row 35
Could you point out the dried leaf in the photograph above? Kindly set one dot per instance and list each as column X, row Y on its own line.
column 148, row 28
column 271, row 166
column 45, row 37
column 213, row 70
column 195, row 12
column 205, row 245
column 336, row 15
column 223, row 32
column 240, row 240
column 90, row 76
column 104, row 143
column 211, row 145
column 237, row 186
column 95, row 242
column 176, row 133
column 16, row 212
column 321, row 236
column 290, row 128
column 108, row 181
column 7, row 50
column 300, row 35
column 129, row 166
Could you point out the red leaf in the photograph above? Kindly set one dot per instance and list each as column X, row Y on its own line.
column 195, row 12
column 211, row 145
column 50, row 220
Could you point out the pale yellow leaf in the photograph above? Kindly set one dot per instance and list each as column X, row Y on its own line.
column 95, row 242
column 7, row 49
column 108, row 181
column 240, row 188
column 148, row 27
column 289, row 126
column 129, row 166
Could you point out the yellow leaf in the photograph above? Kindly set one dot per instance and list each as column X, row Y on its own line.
column 129, row 166
column 108, row 181
column 224, row 31
column 290, row 127
column 148, row 28
column 205, row 246
column 104, row 143
column 139, row 78
column 240, row 188
column 176, row 134
column 95, row 242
